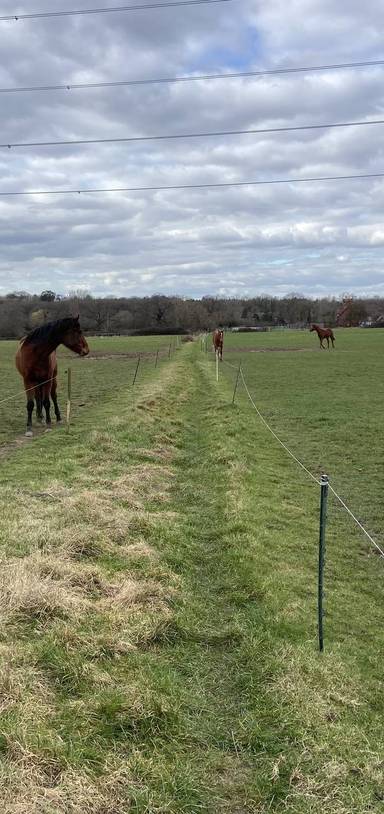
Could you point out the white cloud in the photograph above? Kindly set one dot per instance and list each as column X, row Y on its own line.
column 322, row 237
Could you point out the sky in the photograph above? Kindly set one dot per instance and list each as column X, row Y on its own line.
column 323, row 238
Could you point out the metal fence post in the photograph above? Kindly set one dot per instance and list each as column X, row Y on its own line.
column 323, row 521
column 137, row 367
column 236, row 383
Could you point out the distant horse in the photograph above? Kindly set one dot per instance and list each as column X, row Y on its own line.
column 37, row 364
column 324, row 333
column 218, row 338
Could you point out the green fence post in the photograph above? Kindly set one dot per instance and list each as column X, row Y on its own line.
column 323, row 521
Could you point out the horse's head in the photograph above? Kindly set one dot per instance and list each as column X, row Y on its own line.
column 312, row 328
column 74, row 338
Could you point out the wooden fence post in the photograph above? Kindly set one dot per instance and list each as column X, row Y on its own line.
column 69, row 396
column 236, row 383
column 137, row 368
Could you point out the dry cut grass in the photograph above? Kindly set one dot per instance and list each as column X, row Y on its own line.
column 82, row 586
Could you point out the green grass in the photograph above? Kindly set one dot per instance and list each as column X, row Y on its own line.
column 158, row 595
column 326, row 406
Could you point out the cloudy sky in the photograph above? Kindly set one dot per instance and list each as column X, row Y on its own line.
column 314, row 238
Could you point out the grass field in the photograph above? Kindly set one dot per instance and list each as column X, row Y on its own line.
column 115, row 358
column 158, row 587
column 327, row 406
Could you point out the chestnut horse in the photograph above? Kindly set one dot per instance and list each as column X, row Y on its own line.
column 37, row 364
column 217, row 339
column 324, row 333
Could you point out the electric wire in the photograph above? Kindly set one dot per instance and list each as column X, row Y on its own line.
column 207, row 134
column 108, row 10
column 170, row 187
column 198, row 78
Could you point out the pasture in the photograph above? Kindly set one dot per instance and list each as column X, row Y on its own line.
column 327, row 406
column 115, row 358
column 158, row 585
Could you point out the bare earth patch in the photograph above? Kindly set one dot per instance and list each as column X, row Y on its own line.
column 96, row 355
column 270, row 350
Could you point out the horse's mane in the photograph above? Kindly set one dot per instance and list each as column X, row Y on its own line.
column 49, row 331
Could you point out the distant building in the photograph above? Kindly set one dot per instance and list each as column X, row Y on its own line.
column 248, row 328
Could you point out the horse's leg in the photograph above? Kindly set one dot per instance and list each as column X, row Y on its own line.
column 30, row 406
column 31, row 393
column 47, row 407
column 327, row 338
column 47, row 404
column 39, row 405
column 54, row 399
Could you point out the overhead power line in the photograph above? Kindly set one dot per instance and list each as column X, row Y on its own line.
column 199, row 78
column 209, row 134
column 197, row 186
column 64, row 13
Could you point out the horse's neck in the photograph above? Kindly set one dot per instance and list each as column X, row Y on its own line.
column 43, row 350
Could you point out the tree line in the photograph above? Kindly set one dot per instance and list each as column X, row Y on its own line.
column 20, row 312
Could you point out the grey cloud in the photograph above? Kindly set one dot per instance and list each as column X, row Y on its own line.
column 248, row 240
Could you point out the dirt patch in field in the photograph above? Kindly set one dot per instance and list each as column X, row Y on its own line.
column 11, row 446
column 96, row 355
column 270, row 350
column 6, row 449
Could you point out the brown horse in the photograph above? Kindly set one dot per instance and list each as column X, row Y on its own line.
column 324, row 333
column 217, row 339
column 37, row 364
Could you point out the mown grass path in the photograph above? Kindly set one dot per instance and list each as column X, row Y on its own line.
column 172, row 667
column 281, row 729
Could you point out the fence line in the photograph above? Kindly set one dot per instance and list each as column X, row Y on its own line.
column 40, row 384
column 294, row 457
column 22, row 392
column 356, row 520
column 275, row 434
